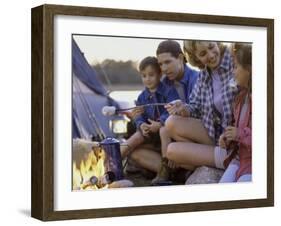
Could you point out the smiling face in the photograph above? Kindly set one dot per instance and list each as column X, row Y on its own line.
column 171, row 66
column 150, row 78
column 208, row 53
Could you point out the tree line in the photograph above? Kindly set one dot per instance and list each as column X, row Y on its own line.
column 118, row 72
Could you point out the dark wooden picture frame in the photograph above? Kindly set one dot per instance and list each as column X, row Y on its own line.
column 43, row 111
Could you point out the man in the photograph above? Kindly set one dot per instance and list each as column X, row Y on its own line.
column 179, row 75
column 176, row 73
column 173, row 66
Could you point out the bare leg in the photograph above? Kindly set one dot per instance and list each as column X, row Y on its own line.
column 147, row 158
column 165, row 140
column 193, row 154
column 188, row 167
column 135, row 140
column 187, row 129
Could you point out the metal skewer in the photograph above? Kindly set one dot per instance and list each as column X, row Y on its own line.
column 144, row 105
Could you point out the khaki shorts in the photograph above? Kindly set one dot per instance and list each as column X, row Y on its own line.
column 220, row 156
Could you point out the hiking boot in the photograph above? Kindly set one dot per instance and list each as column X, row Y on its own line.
column 163, row 175
column 180, row 175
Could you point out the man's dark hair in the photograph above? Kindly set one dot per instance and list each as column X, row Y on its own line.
column 170, row 46
column 149, row 61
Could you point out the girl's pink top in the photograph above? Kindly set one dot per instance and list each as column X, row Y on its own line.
column 244, row 137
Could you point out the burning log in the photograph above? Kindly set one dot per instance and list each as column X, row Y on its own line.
column 93, row 181
column 107, row 179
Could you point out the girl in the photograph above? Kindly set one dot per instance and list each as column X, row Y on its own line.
column 240, row 167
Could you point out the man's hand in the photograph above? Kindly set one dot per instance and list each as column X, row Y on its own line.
column 172, row 164
column 177, row 108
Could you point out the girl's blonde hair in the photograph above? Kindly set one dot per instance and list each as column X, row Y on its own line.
column 189, row 48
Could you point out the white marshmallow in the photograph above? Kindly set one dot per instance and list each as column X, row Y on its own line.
column 108, row 110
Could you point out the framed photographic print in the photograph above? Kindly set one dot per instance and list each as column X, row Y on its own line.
column 141, row 112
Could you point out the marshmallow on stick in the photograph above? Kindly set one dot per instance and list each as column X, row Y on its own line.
column 108, row 110
column 111, row 110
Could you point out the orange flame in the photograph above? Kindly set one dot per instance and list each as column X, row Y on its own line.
column 93, row 165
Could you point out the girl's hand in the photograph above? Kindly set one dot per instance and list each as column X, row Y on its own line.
column 177, row 108
column 144, row 129
column 154, row 126
column 231, row 133
column 137, row 111
column 222, row 142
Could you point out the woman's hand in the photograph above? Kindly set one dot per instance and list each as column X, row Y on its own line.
column 137, row 111
column 154, row 126
column 222, row 142
column 177, row 108
column 231, row 133
column 144, row 127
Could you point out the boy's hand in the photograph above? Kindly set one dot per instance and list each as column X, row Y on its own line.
column 222, row 142
column 172, row 164
column 154, row 126
column 137, row 111
column 144, row 129
column 231, row 133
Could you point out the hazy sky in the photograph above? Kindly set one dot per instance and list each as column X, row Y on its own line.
column 98, row 48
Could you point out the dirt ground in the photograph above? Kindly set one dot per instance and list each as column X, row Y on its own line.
column 143, row 178
column 138, row 179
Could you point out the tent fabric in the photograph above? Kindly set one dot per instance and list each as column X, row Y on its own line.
column 88, row 97
column 84, row 71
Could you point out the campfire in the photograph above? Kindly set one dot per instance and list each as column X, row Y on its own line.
column 91, row 173
column 97, row 166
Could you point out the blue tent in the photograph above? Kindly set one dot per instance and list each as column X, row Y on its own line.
column 89, row 96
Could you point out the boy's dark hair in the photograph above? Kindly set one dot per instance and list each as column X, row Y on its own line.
column 152, row 61
column 172, row 47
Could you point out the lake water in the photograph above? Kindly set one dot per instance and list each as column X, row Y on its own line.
column 125, row 98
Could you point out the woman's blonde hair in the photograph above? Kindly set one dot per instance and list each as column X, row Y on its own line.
column 189, row 48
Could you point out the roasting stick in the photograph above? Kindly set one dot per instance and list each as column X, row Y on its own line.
column 111, row 110
column 144, row 105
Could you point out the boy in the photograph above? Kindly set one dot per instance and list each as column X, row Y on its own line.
column 153, row 117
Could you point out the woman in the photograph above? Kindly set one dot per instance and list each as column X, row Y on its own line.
column 197, row 126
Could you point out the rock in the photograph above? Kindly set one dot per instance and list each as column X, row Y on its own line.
column 205, row 175
column 121, row 184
